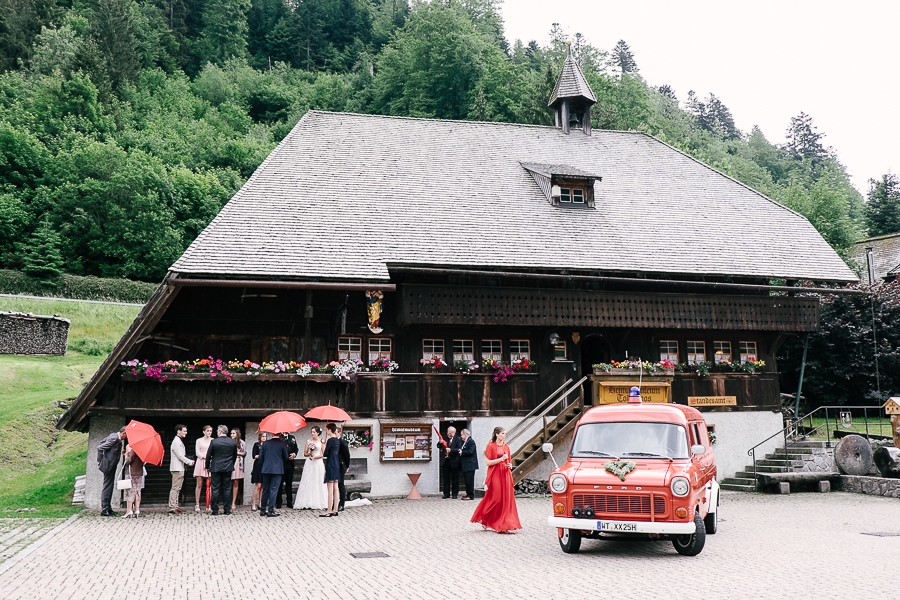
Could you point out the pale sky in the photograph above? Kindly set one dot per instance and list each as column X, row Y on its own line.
column 766, row 60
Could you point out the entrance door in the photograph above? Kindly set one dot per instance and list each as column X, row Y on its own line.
column 594, row 349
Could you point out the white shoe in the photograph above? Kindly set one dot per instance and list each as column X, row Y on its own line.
column 128, row 515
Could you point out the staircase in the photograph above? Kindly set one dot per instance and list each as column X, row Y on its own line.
column 806, row 456
column 553, row 420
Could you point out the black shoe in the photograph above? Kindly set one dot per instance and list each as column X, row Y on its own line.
column 446, row 498
column 340, row 509
column 454, row 497
column 215, row 513
column 227, row 512
column 262, row 513
column 109, row 513
column 273, row 514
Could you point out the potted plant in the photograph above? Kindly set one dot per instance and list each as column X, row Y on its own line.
column 633, row 368
column 433, row 364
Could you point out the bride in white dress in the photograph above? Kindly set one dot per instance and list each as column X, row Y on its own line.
column 312, row 492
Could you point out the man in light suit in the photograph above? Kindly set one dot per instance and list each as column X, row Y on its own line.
column 108, row 453
column 220, row 463
column 272, row 455
column 468, row 463
column 177, row 461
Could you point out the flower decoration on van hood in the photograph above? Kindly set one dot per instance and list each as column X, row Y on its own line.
column 619, row 468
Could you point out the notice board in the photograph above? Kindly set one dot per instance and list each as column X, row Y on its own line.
column 405, row 441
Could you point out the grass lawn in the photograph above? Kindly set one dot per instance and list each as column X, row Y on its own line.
column 40, row 464
column 878, row 425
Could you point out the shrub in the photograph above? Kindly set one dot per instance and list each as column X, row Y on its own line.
column 77, row 287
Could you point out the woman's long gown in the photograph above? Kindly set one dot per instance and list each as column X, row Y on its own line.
column 312, row 492
column 497, row 510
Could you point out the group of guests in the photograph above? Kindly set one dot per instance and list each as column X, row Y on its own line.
column 497, row 510
column 322, row 482
column 220, row 460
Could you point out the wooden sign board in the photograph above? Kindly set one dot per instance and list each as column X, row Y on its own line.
column 616, row 392
column 892, row 406
column 405, row 441
column 700, row 401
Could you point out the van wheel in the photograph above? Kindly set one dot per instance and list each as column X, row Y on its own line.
column 691, row 545
column 711, row 522
column 570, row 541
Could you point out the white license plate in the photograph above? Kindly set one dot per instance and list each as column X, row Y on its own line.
column 614, row 527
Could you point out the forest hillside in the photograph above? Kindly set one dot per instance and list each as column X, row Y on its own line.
column 125, row 125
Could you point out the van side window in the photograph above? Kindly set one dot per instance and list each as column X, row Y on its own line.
column 695, row 433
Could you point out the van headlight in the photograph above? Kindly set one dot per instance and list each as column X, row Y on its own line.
column 681, row 486
column 558, row 483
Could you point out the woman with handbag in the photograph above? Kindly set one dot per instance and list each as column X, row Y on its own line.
column 134, row 468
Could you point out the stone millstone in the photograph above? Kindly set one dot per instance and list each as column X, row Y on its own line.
column 853, row 455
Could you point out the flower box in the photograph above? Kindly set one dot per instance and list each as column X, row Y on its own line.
column 632, row 373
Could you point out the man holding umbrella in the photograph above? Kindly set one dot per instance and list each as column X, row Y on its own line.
column 220, row 463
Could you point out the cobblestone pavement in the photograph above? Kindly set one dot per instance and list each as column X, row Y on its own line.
column 801, row 545
column 17, row 534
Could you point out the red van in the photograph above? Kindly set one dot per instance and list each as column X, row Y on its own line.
column 641, row 470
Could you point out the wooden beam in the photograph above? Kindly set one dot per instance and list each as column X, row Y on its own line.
column 145, row 321
column 277, row 284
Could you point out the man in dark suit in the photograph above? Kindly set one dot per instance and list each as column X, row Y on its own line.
column 344, row 458
column 220, row 463
column 450, row 455
column 272, row 456
column 288, row 476
column 468, row 463
column 108, row 453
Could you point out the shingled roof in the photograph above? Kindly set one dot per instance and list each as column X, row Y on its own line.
column 344, row 196
column 885, row 255
column 571, row 82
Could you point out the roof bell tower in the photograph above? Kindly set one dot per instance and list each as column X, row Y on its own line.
column 572, row 97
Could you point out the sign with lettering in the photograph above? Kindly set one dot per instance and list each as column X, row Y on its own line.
column 405, row 441
column 615, row 392
column 701, row 401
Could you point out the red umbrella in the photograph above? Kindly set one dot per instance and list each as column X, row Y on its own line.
column 282, row 421
column 145, row 442
column 328, row 413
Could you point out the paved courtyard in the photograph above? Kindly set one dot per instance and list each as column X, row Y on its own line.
column 802, row 545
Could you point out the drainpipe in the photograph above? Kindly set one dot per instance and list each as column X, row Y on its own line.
column 800, row 384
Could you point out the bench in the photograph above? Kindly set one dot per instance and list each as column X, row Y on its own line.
column 840, row 433
column 354, row 484
column 780, row 483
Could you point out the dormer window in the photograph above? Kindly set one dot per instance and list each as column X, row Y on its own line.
column 571, row 195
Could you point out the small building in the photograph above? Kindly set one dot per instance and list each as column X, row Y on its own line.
column 885, row 257
column 438, row 245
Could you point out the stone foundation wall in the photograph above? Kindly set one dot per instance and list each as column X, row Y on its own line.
column 820, row 461
column 22, row 333
column 872, row 486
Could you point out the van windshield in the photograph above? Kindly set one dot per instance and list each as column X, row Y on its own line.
column 630, row 440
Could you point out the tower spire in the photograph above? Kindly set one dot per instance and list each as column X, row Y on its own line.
column 572, row 96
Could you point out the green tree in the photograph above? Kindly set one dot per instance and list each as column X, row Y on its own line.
column 622, row 59
column 40, row 256
column 712, row 115
column 803, row 141
column 224, row 33
column 433, row 65
column 113, row 29
column 882, row 211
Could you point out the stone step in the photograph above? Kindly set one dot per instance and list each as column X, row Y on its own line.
column 795, row 450
column 794, row 456
column 808, row 444
column 771, row 469
column 741, row 478
column 780, row 462
column 733, row 487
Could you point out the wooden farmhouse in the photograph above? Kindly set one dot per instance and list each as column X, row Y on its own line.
column 409, row 240
column 882, row 253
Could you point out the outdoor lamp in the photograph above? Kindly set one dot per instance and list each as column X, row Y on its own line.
column 554, row 339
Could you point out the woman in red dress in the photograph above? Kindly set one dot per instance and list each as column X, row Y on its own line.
column 497, row 510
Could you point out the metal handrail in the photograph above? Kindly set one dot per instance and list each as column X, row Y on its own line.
column 534, row 417
column 794, row 424
column 512, row 433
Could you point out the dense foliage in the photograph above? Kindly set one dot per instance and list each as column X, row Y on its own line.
column 841, row 361
column 125, row 125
